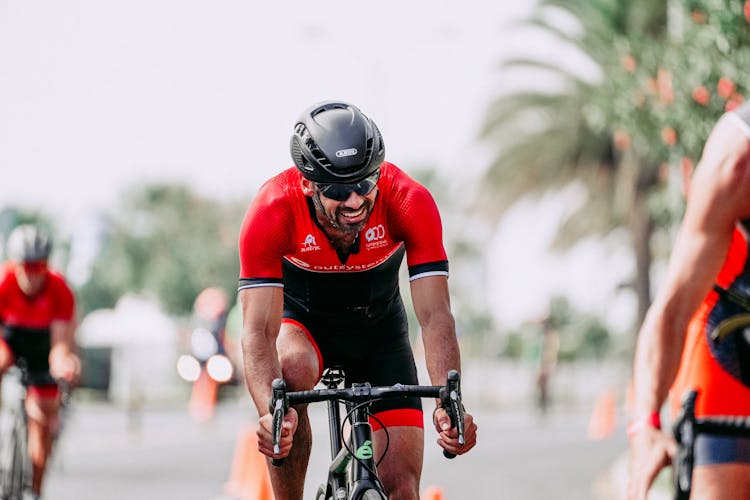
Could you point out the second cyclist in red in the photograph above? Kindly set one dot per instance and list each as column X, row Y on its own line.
column 320, row 251
column 37, row 325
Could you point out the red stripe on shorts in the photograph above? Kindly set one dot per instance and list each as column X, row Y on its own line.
column 44, row 391
column 408, row 417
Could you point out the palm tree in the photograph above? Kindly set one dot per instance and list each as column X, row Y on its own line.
column 546, row 138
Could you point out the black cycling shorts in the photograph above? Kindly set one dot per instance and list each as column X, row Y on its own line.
column 712, row 450
column 371, row 345
column 32, row 347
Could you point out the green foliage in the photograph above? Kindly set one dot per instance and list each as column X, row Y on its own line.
column 582, row 336
column 666, row 97
column 547, row 138
column 664, row 71
column 168, row 242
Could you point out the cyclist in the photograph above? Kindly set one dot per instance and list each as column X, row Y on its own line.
column 320, row 249
column 37, row 324
column 678, row 345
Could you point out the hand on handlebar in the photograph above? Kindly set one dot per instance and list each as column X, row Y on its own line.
column 66, row 367
column 265, row 434
column 650, row 451
column 448, row 437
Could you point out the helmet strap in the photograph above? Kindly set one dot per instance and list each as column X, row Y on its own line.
column 319, row 207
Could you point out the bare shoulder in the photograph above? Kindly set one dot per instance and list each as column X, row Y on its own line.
column 724, row 170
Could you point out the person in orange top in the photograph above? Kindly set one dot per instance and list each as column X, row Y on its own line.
column 37, row 326
column 690, row 338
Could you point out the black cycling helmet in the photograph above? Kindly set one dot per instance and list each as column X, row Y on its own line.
column 28, row 243
column 334, row 142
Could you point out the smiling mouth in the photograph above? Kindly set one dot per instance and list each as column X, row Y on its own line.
column 354, row 214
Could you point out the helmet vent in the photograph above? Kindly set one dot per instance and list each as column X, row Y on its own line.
column 368, row 149
column 317, row 153
column 298, row 158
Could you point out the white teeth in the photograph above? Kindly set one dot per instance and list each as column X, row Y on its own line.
column 352, row 215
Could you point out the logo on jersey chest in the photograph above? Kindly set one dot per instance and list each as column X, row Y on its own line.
column 375, row 237
column 309, row 244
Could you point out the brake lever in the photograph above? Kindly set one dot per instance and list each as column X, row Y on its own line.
column 278, row 407
column 450, row 399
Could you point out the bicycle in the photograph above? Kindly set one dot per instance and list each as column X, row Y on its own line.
column 15, row 464
column 686, row 430
column 16, row 471
column 352, row 474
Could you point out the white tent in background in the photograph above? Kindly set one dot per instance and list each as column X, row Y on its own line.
column 141, row 339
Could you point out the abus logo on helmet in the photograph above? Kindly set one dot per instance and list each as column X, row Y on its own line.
column 341, row 153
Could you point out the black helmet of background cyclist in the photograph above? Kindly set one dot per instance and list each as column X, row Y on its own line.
column 335, row 142
column 28, row 243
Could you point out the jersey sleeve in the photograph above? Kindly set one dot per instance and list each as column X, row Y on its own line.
column 64, row 301
column 3, row 292
column 415, row 220
column 265, row 237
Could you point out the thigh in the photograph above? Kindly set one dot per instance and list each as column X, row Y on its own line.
column 401, row 466
column 300, row 360
column 721, row 481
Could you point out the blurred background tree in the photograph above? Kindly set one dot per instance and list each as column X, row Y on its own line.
column 168, row 242
column 582, row 335
column 653, row 78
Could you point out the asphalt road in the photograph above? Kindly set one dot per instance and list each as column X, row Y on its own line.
column 108, row 453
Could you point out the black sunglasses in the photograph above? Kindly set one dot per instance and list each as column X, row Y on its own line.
column 341, row 192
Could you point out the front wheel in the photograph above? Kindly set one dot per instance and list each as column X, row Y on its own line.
column 372, row 495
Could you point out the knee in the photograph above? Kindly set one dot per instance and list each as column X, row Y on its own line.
column 299, row 369
column 42, row 412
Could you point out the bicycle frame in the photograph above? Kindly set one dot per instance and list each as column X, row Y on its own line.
column 686, row 430
column 363, row 473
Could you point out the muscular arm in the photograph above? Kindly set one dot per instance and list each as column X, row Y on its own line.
column 261, row 319
column 432, row 307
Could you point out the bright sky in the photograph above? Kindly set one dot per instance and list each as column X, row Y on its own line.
column 98, row 96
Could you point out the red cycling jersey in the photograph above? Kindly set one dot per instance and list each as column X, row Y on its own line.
column 54, row 302
column 281, row 240
column 26, row 324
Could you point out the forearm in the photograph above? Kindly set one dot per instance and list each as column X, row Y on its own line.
column 261, row 366
column 62, row 337
column 657, row 360
column 441, row 347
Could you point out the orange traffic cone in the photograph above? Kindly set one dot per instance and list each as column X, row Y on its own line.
column 248, row 477
column 433, row 493
column 203, row 398
column 603, row 418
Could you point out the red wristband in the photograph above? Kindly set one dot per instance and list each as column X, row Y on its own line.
column 651, row 420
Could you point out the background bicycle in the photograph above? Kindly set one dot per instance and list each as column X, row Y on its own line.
column 15, row 465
